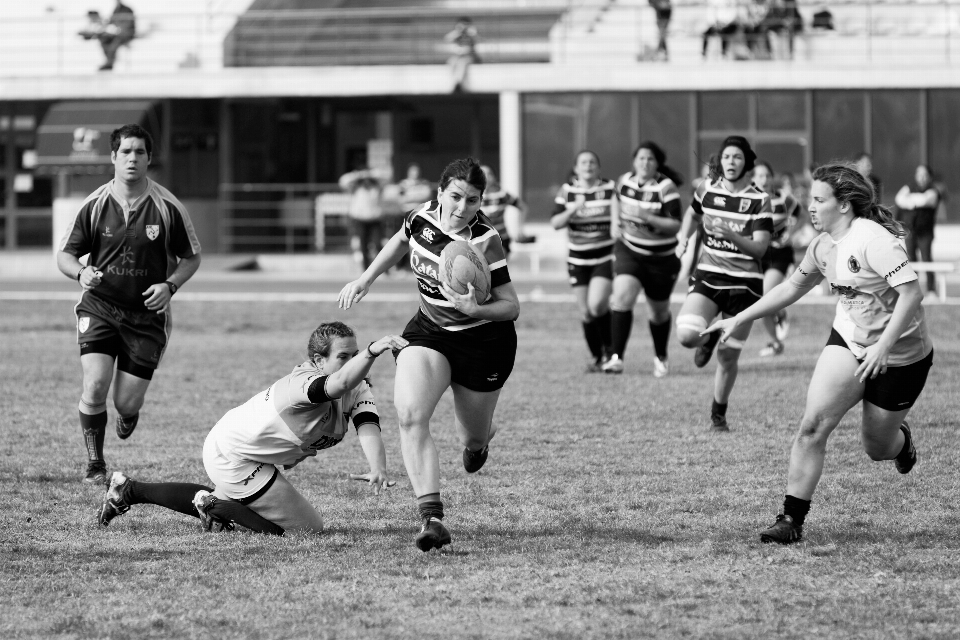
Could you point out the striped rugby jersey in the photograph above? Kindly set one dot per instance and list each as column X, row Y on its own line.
column 784, row 207
column 495, row 206
column 659, row 197
column 746, row 211
column 588, row 232
column 427, row 240
column 864, row 267
column 134, row 248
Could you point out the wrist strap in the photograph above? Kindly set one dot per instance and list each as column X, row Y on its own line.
column 370, row 351
column 79, row 272
column 173, row 287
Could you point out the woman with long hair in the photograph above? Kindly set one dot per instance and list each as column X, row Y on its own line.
column 879, row 351
column 582, row 207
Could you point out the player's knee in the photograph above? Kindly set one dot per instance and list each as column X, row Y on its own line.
column 127, row 406
column 728, row 353
column 689, row 328
column 411, row 418
column 95, row 390
column 597, row 309
column 876, row 449
column 814, row 429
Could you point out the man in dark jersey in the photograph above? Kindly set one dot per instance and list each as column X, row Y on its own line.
column 142, row 248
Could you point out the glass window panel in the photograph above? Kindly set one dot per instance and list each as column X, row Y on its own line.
column 550, row 124
column 665, row 119
column 781, row 110
column 943, row 144
column 726, row 111
column 895, row 134
column 608, row 131
column 838, row 130
column 785, row 157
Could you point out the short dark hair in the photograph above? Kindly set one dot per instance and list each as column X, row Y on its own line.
column 324, row 335
column 131, row 131
column 661, row 157
column 468, row 170
column 749, row 156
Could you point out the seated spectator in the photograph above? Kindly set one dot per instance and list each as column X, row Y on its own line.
column 119, row 30
column 722, row 21
column 664, row 10
column 464, row 38
column 782, row 19
column 823, row 20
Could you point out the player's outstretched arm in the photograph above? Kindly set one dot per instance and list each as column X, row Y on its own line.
column 388, row 256
column 372, row 445
column 357, row 368
column 783, row 295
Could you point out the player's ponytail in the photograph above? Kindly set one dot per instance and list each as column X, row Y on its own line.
column 850, row 186
column 324, row 335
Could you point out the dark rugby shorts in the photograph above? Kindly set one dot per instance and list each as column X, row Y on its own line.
column 481, row 358
column 582, row 274
column 657, row 274
column 898, row 388
column 731, row 295
column 137, row 338
column 779, row 258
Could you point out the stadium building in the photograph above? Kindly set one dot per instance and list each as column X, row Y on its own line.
column 258, row 106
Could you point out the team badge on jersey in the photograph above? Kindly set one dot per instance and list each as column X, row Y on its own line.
column 153, row 231
column 427, row 235
column 83, row 324
column 853, row 265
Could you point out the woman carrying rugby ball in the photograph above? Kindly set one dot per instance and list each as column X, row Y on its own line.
column 454, row 340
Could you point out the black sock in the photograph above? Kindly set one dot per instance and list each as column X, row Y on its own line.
column 621, row 323
column 176, row 496
column 94, row 428
column 430, row 506
column 796, row 509
column 230, row 510
column 717, row 409
column 591, row 331
column 905, row 450
column 661, row 335
column 606, row 330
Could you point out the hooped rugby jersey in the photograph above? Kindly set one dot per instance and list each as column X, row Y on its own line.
column 427, row 240
column 864, row 268
column 746, row 211
column 133, row 248
column 784, row 208
column 588, row 231
column 281, row 426
column 657, row 196
column 495, row 205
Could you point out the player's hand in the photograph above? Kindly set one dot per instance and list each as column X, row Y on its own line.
column 388, row 343
column 157, row 297
column 352, row 293
column 90, row 277
column 681, row 248
column 376, row 479
column 464, row 303
column 874, row 362
column 726, row 326
column 722, row 229
column 615, row 232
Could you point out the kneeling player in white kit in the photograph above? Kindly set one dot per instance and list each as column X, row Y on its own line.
column 301, row 413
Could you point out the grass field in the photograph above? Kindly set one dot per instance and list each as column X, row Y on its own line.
column 606, row 510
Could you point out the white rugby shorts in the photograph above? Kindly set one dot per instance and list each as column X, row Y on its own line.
column 234, row 479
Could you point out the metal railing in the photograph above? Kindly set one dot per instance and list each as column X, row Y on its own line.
column 562, row 31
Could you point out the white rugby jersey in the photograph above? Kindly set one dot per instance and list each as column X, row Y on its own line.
column 427, row 240
column 281, row 426
column 657, row 196
column 864, row 267
column 746, row 211
column 588, row 231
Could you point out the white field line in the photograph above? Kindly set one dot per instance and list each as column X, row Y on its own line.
column 236, row 296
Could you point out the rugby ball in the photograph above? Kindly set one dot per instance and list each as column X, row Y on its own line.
column 462, row 263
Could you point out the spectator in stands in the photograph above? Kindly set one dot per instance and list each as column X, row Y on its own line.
column 782, row 19
column 722, row 20
column 366, row 212
column 663, row 10
column 464, row 40
column 823, row 20
column 119, row 30
column 917, row 205
column 865, row 167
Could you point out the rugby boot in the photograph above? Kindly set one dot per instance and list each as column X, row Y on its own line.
column 704, row 352
column 125, row 426
column 908, row 455
column 203, row 502
column 772, row 349
column 433, row 535
column 595, row 365
column 613, row 365
column 117, row 500
column 96, row 472
column 660, row 367
column 783, row 531
column 718, row 423
column 473, row 461
column 782, row 325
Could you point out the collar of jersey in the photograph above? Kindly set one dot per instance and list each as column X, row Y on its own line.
column 436, row 222
column 121, row 200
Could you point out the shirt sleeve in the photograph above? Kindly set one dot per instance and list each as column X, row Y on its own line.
column 183, row 237
column 697, row 204
column 886, row 257
column 364, row 407
column 497, row 259
column 671, row 200
column 808, row 273
column 77, row 239
column 560, row 201
column 764, row 217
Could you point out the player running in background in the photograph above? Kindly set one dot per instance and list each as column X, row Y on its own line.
column 298, row 415
column 728, row 277
column 779, row 255
column 142, row 248
column 454, row 341
column 582, row 206
column 879, row 350
column 646, row 215
column 506, row 211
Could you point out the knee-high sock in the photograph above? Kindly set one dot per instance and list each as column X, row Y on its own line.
column 94, row 428
column 244, row 516
column 591, row 331
column 621, row 323
column 606, row 331
column 661, row 336
column 176, row 496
